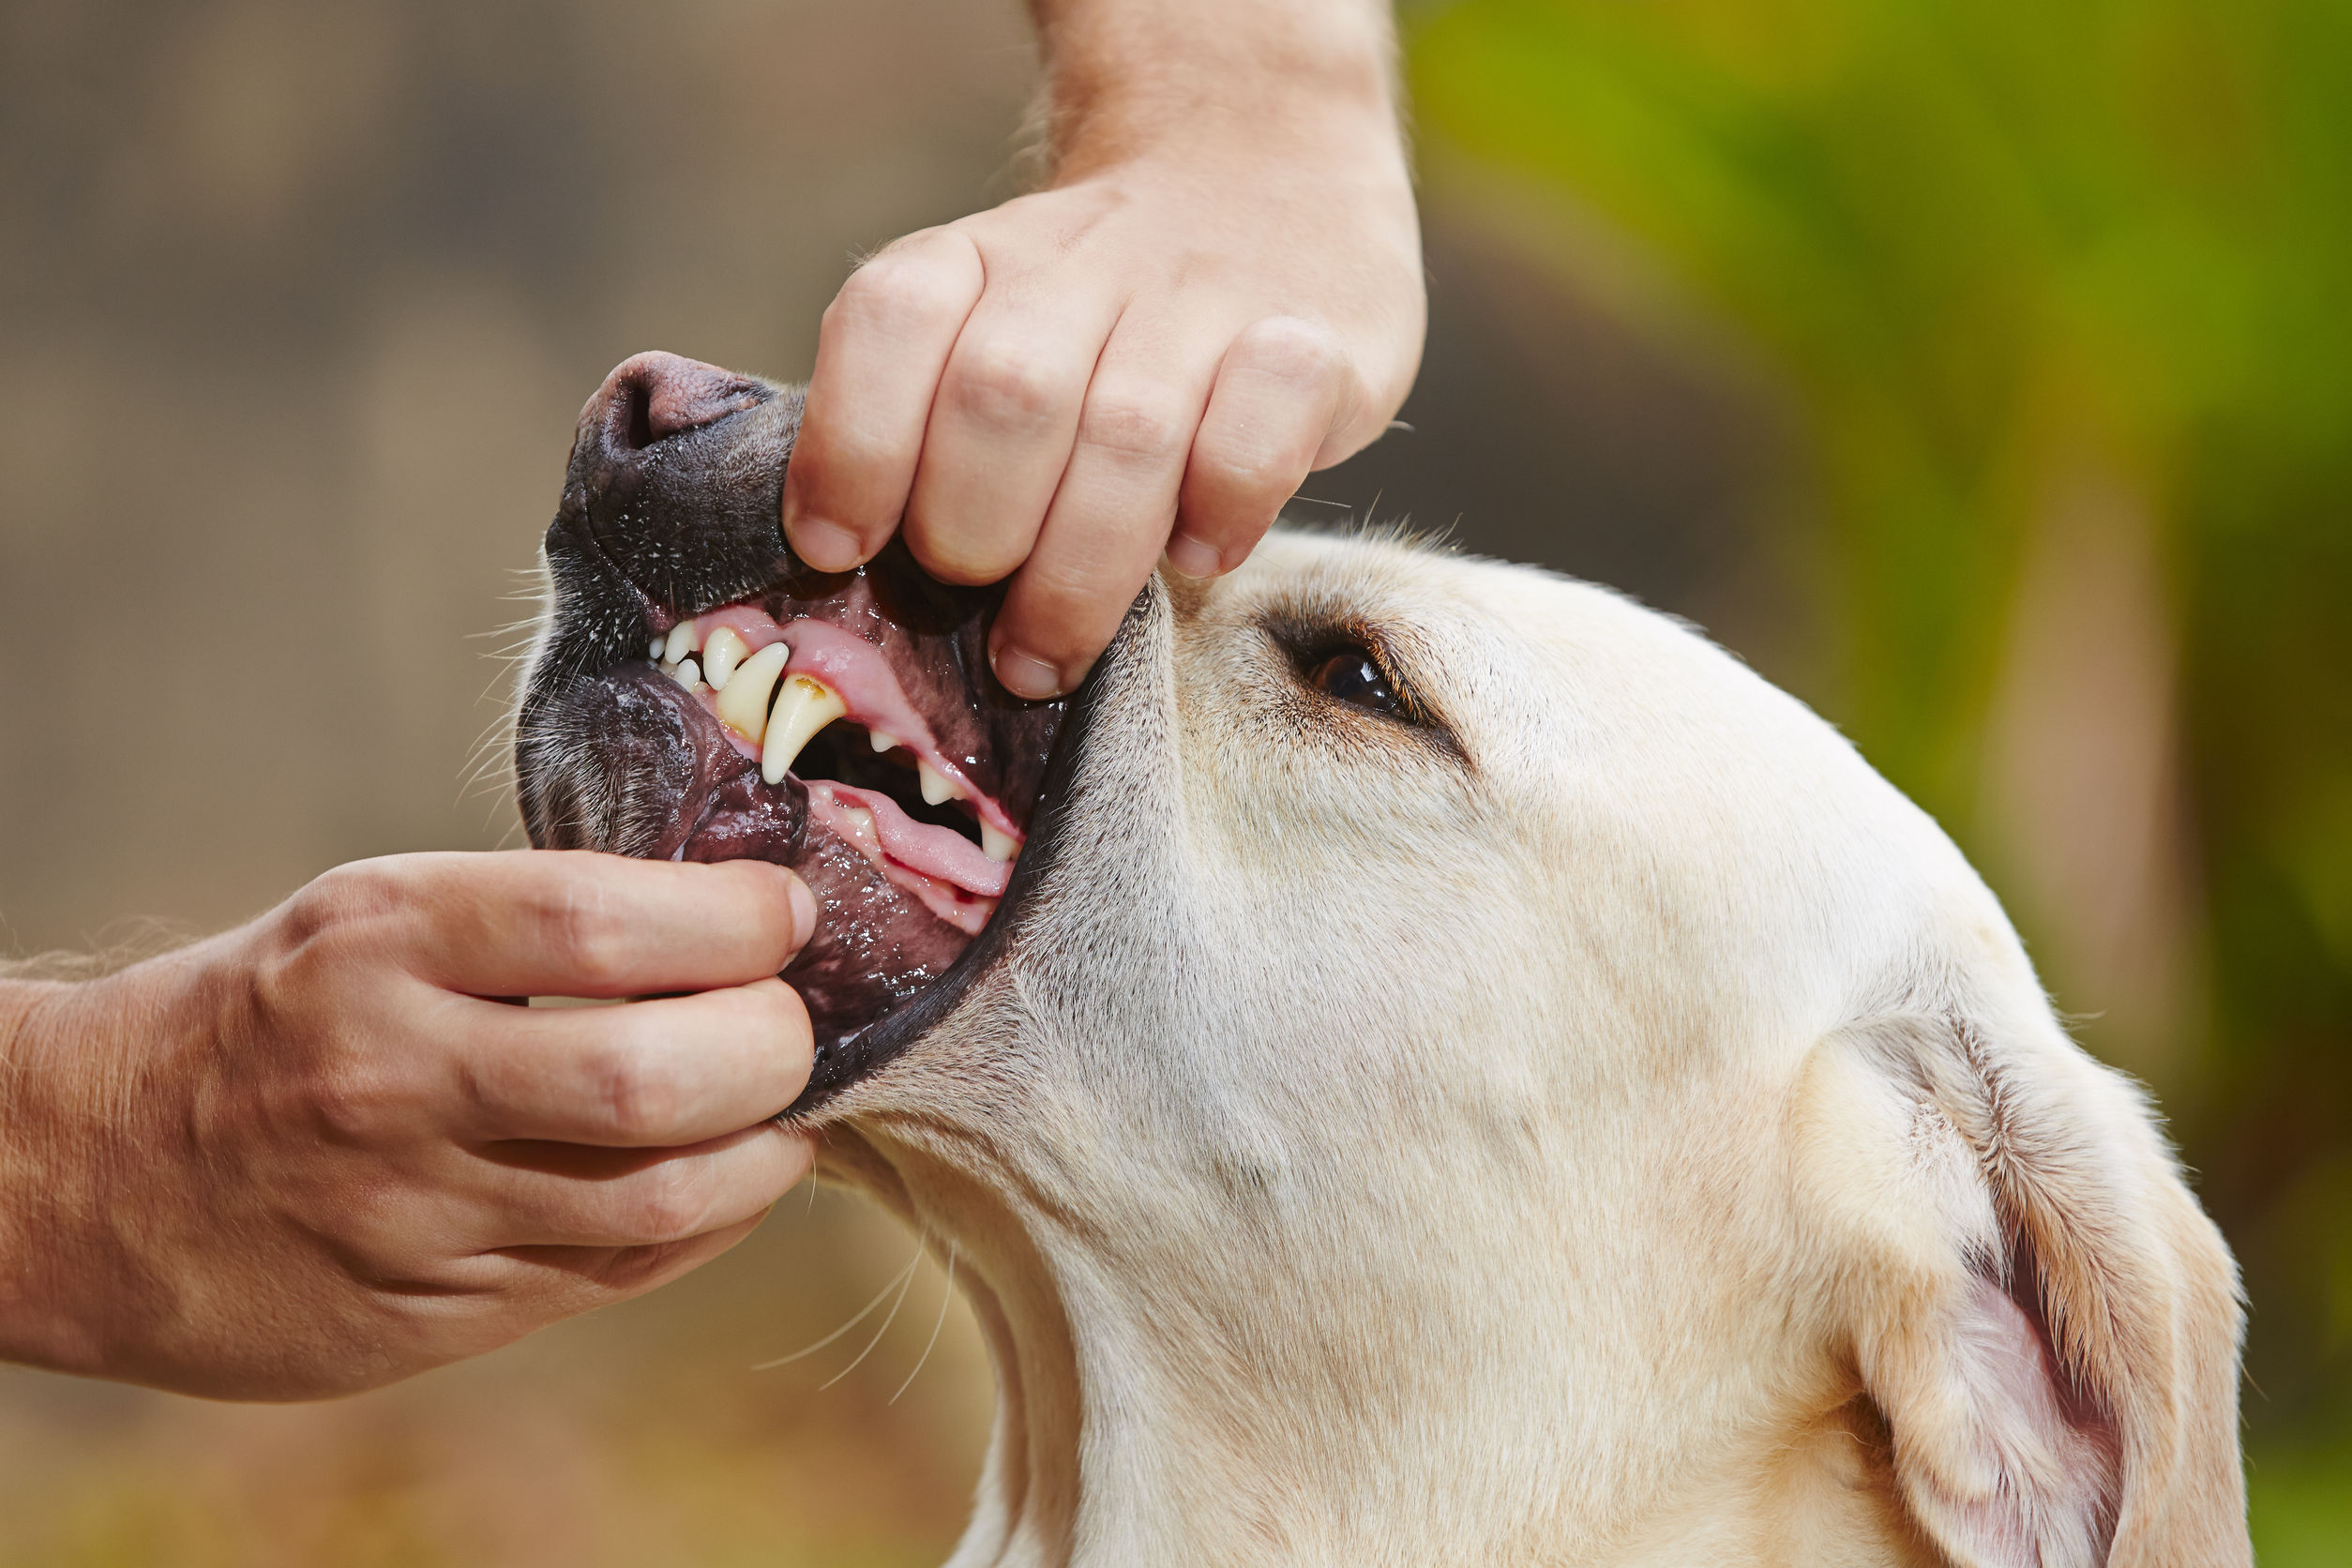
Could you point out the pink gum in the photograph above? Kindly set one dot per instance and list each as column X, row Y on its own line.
column 858, row 672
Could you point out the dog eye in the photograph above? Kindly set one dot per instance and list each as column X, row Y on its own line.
column 1351, row 676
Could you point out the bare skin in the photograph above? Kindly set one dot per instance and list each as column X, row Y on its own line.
column 1219, row 290
column 317, row 1153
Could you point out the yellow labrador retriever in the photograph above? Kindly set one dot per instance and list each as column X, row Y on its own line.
column 1420, row 1062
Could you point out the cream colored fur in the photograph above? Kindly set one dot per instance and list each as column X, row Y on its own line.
column 1623, row 1141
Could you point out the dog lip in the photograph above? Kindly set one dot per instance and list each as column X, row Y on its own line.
column 856, row 1057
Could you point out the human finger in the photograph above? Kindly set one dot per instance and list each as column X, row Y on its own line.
column 657, row 1074
column 578, row 923
column 547, row 1194
column 1001, row 432
column 880, row 349
column 1109, row 516
column 565, row 1280
column 1284, row 385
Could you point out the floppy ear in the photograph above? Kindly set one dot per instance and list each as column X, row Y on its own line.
column 2043, row 1316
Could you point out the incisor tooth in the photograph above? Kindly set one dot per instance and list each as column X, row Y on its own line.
column 659, row 644
column 743, row 706
column 997, row 845
column 686, row 673
column 805, row 706
column 937, row 785
column 679, row 643
column 720, row 655
column 881, row 741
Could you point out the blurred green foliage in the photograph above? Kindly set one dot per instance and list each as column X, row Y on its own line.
column 1977, row 236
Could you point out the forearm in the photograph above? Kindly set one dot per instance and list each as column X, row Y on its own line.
column 1125, row 77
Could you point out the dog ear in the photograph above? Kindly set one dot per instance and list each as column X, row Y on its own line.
column 2045, row 1318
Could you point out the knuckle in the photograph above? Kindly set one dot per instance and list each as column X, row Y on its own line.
column 359, row 893
column 636, row 1099
column 1248, row 473
column 591, row 941
column 1000, row 385
column 671, row 1204
column 1292, row 347
column 897, row 291
column 352, row 1104
column 1134, row 424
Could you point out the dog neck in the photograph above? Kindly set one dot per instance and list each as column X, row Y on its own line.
column 1212, row 1414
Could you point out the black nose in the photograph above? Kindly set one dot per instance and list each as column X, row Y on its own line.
column 677, row 477
column 651, row 397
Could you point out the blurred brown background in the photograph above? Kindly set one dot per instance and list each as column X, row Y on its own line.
column 297, row 305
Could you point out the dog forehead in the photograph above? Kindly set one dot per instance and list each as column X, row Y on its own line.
column 1527, row 664
column 1648, row 770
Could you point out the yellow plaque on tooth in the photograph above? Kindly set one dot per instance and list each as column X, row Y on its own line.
column 805, row 706
column 743, row 705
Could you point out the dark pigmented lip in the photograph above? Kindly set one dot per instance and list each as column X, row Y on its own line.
column 858, row 1056
column 669, row 511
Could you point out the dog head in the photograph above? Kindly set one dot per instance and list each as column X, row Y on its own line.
column 1462, row 1069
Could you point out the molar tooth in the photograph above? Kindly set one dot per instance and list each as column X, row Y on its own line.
column 805, row 706
column 721, row 655
column 679, row 643
column 937, row 785
column 998, row 845
column 743, row 707
column 881, row 741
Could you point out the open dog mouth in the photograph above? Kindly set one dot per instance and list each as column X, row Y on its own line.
column 699, row 694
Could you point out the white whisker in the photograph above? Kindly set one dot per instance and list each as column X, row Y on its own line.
column 865, row 1312
column 947, row 1293
column 889, row 1318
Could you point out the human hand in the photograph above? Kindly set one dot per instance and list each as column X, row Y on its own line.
column 318, row 1154
column 1221, row 292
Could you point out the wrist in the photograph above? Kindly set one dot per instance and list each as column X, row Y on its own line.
column 34, row 1328
column 1311, row 84
column 88, row 1110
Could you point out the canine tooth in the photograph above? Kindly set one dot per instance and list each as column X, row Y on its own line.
column 997, row 845
column 881, row 741
column 805, row 706
column 937, row 785
column 679, row 643
column 687, row 673
column 743, row 707
column 720, row 655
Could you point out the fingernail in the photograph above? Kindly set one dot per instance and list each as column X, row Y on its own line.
column 1191, row 557
column 803, row 912
column 1026, row 675
column 826, row 546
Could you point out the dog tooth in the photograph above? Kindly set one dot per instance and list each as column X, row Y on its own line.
column 805, row 706
column 743, row 706
column 881, row 741
column 998, row 845
column 660, row 644
column 720, row 655
column 937, row 785
column 679, row 643
column 687, row 673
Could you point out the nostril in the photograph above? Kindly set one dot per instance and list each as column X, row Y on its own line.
column 633, row 416
column 652, row 397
